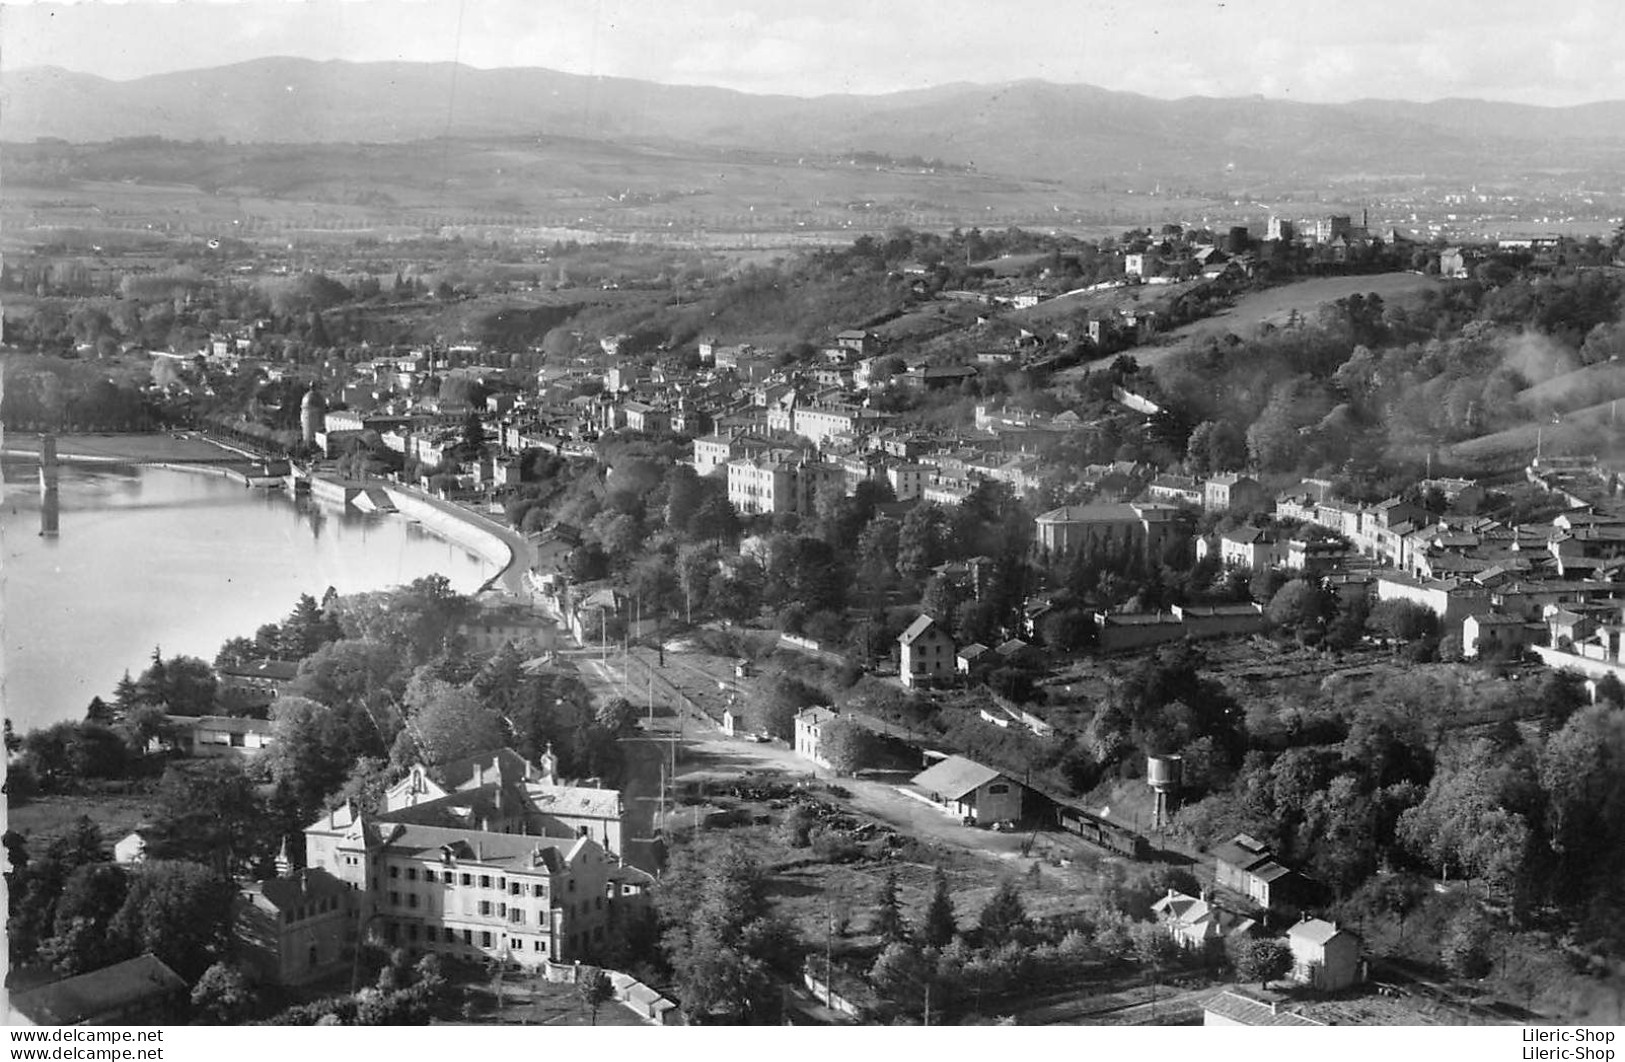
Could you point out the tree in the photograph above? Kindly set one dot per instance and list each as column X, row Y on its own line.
column 1465, row 948
column 210, row 813
column 1263, row 960
column 1471, row 821
column 1004, row 917
column 888, row 921
column 365, row 785
column 234, row 652
column 847, row 746
column 99, row 711
column 1403, row 621
column 772, row 710
column 449, row 722
column 1300, row 606
column 306, row 629
column 222, row 995
column 1582, row 771
column 595, row 989
column 618, row 716
column 312, row 749
column 901, row 974
column 181, row 912
column 364, row 673
column 184, row 685
column 79, row 941
column 721, row 939
column 922, row 540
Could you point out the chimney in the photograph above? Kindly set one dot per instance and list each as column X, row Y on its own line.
column 1273, row 1009
column 479, row 775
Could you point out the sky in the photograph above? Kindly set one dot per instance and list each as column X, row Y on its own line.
column 1314, row 51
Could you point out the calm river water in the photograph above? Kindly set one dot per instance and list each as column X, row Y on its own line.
column 179, row 560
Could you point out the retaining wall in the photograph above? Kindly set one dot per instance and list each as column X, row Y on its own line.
column 455, row 528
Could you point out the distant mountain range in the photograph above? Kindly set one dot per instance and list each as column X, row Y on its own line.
column 1030, row 128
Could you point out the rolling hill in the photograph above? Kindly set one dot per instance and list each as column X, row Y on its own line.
column 1032, row 128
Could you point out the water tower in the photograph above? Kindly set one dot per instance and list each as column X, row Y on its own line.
column 1164, row 774
column 312, row 416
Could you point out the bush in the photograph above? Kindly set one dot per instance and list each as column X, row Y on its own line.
column 833, row 846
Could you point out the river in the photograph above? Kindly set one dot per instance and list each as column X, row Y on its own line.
column 178, row 560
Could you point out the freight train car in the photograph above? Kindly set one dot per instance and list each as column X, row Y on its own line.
column 1103, row 832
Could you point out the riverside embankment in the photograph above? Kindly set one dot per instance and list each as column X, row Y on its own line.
column 499, row 544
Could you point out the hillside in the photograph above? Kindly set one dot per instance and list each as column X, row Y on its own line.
column 1593, row 429
column 1275, row 305
column 1574, row 390
column 1075, row 132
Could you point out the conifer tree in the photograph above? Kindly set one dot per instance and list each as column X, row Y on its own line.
column 940, row 923
column 888, row 922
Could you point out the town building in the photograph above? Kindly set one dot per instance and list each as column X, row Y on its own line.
column 1258, row 548
column 472, row 894
column 809, row 734
column 257, row 682
column 219, row 735
column 1247, row 866
column 1176, row 490
column 778, row 482
column 926, row 653
column 1196, row 924
column 131, row 848
column 493, row 627
column 1106, row 529
column 1324, row 956
column 970, row 791
column 297, row 927
column 1232, row 490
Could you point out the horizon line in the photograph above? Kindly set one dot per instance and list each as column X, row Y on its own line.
column 463, row 64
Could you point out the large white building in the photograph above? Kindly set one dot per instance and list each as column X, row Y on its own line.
column 779, row 482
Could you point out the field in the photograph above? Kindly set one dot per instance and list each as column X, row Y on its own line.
column 1570, row 390
column 1592, row 430
column 49, row 816
column 1275, row 305
column 537, row 188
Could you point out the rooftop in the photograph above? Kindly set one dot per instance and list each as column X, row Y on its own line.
column 1244, row 1010
column 954, row 777
column 100, row 992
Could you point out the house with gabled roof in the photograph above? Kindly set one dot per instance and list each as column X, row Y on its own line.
column 926, row 653
column 810, row 733
column 970, row 791
column 1247, row 866
column 973, row 659
column 1324, row 955
column 1196, row 923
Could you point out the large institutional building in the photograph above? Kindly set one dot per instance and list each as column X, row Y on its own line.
column 485, row 858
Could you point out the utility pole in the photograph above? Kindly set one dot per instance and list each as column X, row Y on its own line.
column 927, row 1021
